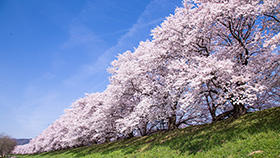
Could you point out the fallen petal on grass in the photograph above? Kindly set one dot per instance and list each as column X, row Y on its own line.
column 255, row 152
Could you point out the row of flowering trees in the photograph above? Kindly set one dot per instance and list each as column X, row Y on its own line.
column 211, row 60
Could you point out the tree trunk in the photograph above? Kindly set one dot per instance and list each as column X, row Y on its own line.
column 213, row 115
column 172, row 122
column 130, row 135
column 238, row 110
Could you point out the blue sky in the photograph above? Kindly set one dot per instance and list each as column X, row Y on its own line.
column 54, row 51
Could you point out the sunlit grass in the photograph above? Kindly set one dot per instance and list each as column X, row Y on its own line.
column 253, row 135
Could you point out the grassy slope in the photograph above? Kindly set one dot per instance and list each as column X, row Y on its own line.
column 257, row 132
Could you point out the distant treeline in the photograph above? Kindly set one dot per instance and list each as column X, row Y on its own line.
column 22, row 141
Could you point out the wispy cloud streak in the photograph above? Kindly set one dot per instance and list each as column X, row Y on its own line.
column 153, row 14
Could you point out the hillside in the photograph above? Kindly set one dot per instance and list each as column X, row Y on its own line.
column 22, row 141
column 253, row 135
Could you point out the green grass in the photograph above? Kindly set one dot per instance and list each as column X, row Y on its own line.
column 253, row 135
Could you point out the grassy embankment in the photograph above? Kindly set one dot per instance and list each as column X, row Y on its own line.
column 253, row 135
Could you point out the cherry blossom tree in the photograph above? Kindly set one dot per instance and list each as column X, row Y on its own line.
column 210, row 60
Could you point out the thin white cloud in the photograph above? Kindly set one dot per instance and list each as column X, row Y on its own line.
column 80, row 35
column 151, row 16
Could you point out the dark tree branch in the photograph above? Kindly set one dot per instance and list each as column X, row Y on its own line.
column 273, row 17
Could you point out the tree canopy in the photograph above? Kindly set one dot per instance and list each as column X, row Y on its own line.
column 7, row 145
